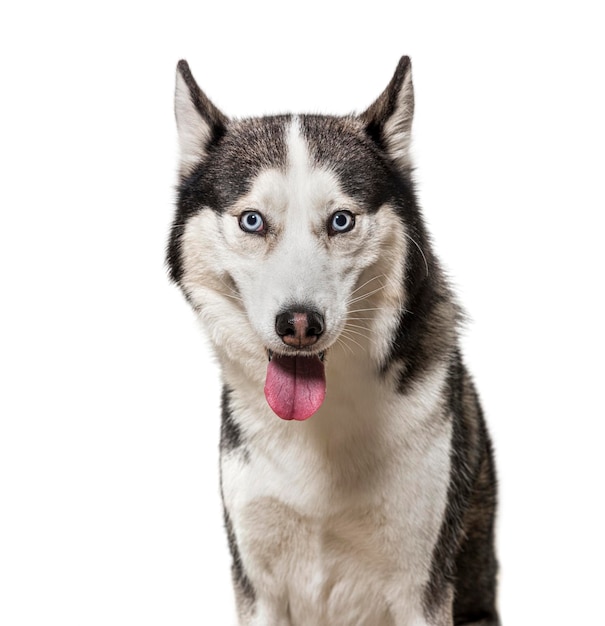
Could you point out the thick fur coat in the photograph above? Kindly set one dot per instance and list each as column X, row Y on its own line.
column 299, row 242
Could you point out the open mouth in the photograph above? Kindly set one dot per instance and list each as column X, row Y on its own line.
column 295, row 386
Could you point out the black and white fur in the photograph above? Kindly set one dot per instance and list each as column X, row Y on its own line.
column 379, row 509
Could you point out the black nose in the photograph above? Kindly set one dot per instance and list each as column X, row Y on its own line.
column 299, row 328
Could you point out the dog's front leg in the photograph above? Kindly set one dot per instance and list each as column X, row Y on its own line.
column 254, row 608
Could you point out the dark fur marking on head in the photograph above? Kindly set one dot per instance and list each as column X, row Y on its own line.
column 340, row 144
column 247, row 147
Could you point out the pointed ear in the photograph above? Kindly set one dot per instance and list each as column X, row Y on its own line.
column 389, row 120
column 198, row 121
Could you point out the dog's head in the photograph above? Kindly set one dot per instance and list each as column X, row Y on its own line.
column 292, row 235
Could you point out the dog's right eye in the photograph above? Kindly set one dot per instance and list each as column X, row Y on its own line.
column 252, row 222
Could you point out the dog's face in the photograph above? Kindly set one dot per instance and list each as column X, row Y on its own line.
column 290, row 233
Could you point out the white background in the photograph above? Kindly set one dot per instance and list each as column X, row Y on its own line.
column 110, row 510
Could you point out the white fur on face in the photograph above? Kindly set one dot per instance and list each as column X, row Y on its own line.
column 297, row 264
column 301, row 266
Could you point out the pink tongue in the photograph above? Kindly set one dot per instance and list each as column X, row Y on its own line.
column 295, row 386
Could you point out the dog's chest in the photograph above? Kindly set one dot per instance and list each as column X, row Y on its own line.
column 340, row 533
column 319, row 569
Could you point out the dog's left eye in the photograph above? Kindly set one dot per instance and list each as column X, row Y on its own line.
column 252, row 222
column 341, row 222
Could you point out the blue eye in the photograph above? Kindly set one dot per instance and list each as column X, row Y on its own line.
column 341, row 222
column 252, row 222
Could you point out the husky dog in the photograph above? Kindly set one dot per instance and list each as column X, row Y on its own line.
column 356, row 471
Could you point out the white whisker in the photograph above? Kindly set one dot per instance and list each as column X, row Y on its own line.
column 376, row 308
column 426, row 265
column 367, row 281
column 366, row 295
column 370, row 330
column 355, row 332
column 353, row 340
column 341, row 341
column 360, row 319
